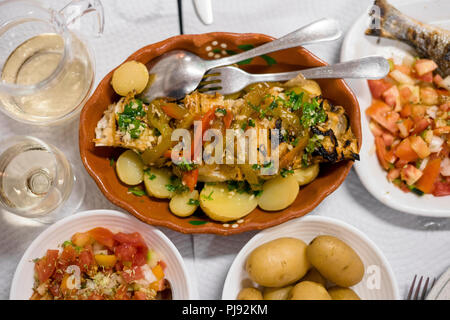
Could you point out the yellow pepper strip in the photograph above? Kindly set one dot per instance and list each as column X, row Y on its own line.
column 106, row 260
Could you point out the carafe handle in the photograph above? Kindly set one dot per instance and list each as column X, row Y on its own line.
column 75, row 9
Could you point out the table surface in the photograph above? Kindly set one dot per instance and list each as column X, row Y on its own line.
column 412, row 244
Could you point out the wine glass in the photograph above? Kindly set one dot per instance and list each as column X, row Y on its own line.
column 37, row 181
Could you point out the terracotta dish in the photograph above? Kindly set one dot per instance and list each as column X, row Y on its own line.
column 213, row 45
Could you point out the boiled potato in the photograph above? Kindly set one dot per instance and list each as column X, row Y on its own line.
column 339, row 293
column 130, row 168
column 308, row 290
column 223, row 205
column 335, row 260
column 278, row 193
column 314, row 276
column 250, row 294
column 278, row 263
column 156, row 182
column 130, row 76
column 277, row 293
column 306, row 175
column 180, row 203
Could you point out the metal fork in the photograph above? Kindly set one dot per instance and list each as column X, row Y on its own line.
column 227, row 80
column 415, row 294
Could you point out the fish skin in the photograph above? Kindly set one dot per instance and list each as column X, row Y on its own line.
column 429, row 41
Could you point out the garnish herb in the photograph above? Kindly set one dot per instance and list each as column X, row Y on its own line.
column 176, row 185
column 209, row 197
column 251, row 122
column 193, row 202
column 150, row 175
column 138, row 192
column 284, row 172
column 128, row 120
column 222, row 111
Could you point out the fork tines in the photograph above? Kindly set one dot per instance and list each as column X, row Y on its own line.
column 415, row 294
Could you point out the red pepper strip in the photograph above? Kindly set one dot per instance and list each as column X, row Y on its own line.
column 190, row 179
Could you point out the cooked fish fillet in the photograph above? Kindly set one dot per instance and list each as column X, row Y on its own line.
column 429, row 41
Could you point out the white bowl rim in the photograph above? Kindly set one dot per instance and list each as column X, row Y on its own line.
column 99, row 212
column 321, row 219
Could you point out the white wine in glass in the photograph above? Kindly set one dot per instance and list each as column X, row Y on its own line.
column 37, row 181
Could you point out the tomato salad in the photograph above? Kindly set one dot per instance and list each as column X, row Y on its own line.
column 409, row 118
column 101, row 265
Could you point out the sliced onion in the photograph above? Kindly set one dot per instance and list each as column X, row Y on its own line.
column 445, row 167
column 436, row 144
column 423, row 164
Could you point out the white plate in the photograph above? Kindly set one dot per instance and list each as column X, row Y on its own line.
column 357, row 45
column 176, row 272
column 378, row 282
column 441, row 289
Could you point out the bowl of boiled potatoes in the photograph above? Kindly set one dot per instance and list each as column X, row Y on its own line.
column 310, row 258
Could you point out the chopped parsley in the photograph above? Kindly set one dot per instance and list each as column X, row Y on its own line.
column 185, row 166
column 138, row 192
column 312, row 112
column 150, row 175
column 242, row 187
column 251, row 122
column 222, row 111
column 256, row 166
column 208, row 197
column 111, row 162
column 128, row 120
column 70, row 243
column 193, row 202
column 284, row 172
column 176, row 185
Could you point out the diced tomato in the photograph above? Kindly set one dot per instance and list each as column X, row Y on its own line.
column 406, row 110
column 190, row 179
column 441, row 189
column 404, row 127
column 405, row 94
column 131, row 274
column 400, row 163
column 423, row 66
column 134, row 239
column 405, row 152
column 410, row 174
column 68, row 256
column 388, row 139
column 375, row 128
column 125, row 252
column 418, row 111
column 393, row 174
column 419, row 146
column 384, row 115
column 420, row 125
column 429, row 96
column 381, row 152
column 392, row 97
column 46, row 266
column 81, row 239
column 227, row 119
column 95, row 296
column 445, row 107
column 441, row 130
column 103, row 236
column 139, row 295
column 402, row 68
column 86, row 260
column 162, row 264
column 54, row 289
column 173, row 110
column 427, row 77
column 437, row 79
column 430, row 174
column 377, row 87
column 390, row 156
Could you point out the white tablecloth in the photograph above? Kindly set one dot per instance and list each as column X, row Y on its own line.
column 413, row 245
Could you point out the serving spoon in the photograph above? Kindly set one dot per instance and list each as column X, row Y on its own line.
column 229, row 79
column 177, row 73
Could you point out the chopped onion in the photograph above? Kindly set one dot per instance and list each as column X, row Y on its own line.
column 445, row 167
column 423, row 164
column 436, row 144
column 431, row 111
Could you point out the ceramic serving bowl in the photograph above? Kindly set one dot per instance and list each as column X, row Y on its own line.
column 209, row 46
column 378, row 282
column 176, row 271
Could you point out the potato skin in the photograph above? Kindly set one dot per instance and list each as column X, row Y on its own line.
column 314, row 276
column 250, row 294
column 308, row 290
column 339, row 293
column 335, row 260
column 278, row 263
column 277, row 293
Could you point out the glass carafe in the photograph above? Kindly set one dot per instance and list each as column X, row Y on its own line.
column 46, row 70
